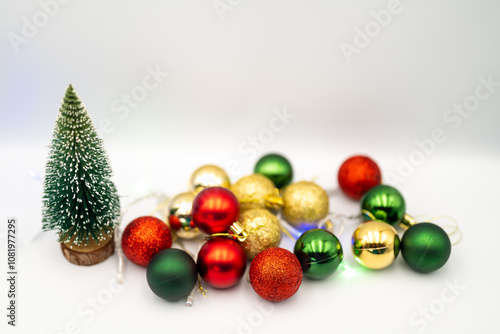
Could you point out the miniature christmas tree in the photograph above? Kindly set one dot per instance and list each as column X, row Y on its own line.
column 80, row 201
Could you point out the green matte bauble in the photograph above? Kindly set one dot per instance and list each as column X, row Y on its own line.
column 277, row 168
column 425, row 247
column 319, row 253
column 172, row 274
column 384, row 203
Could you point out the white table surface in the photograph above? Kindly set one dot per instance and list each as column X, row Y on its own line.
column 227, row 81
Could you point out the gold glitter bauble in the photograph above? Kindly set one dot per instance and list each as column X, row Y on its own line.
column 263, row 230
column 179, row 215
column 256, row 192
column 375, row 244
column 304, row 204
column 209, row 176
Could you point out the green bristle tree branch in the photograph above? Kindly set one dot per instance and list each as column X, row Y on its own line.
column 80, row 201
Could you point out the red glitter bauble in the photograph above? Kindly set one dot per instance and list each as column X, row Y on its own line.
column 215, row 209
column 221, row 262
column 275, row 274
column 357, row 175
column 143, row 238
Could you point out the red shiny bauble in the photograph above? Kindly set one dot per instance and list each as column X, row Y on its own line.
column 174, row 222
column 275, row 274
column 357, row 175
column 215, row 209
column 143, row 238
column 221, row 262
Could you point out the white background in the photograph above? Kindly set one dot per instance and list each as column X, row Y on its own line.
column 228, row 74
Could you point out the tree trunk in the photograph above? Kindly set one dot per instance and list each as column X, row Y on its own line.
column 91, row 254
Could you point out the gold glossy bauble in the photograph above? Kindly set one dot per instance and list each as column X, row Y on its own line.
column 179, row 215
column 209, row 176
column 256, row 192
column 304, row 204
column 263, row 230
column 375, row 244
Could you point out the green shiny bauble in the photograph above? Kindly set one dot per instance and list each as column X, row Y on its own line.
column 172, row 274
column 319, row 253
column 425, row 247
column 277, row 168
column 383, row 203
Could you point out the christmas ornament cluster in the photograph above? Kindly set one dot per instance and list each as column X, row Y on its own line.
column 238, row 225
column 241, row 224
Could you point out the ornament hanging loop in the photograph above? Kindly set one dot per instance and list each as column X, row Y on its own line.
column 236, row 231
column 456, row 229
column 274, row 201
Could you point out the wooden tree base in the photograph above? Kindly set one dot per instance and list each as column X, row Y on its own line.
column 88, row 258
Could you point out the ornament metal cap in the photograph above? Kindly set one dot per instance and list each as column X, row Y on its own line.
column 407, row 222
column 238, row 231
